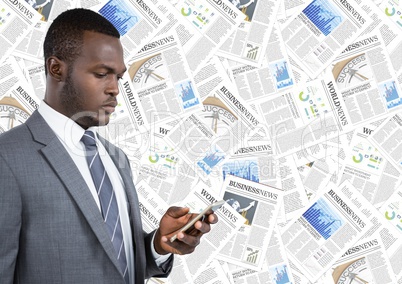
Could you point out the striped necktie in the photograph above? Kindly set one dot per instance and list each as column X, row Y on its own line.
column 107, row 198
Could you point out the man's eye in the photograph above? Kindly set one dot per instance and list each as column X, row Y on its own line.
column 100, row 75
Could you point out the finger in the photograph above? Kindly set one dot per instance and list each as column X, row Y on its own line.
column 189, row 240
column 203, row 227
column 212, row 218
column 177, row 212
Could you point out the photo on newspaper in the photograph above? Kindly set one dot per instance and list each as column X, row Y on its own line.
column 18, row 102
column 322, row 29
column 304, row 115
column 259, row 205
column 327, row 228
column 274, row 74
column 365, row 262
column 382, row 225
column 248, row 42
column 17, row 20
column 276, row 268
column 164, row 86
column 392, row 209
column 136, row 21
column 364, row 75
column 230, row 117
column 373, row 175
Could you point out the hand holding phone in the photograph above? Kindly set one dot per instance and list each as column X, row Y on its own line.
column 201, row 216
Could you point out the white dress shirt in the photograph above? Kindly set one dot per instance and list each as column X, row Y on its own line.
column 70, row 133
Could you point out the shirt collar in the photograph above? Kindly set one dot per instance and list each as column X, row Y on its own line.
column 65, row 128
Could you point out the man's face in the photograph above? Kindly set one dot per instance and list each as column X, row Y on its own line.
column 89, row 94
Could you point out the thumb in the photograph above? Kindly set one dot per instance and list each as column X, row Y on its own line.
column 177, row 212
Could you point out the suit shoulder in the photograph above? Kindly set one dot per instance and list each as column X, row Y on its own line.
column 15, row 135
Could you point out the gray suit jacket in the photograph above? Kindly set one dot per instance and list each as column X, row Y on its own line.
column 51, row 230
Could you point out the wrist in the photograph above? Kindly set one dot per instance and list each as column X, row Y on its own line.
column 158, row 244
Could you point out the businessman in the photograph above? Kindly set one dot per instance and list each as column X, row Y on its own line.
column 68, row 206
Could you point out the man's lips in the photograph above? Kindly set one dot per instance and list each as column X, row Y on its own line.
column 109, row 107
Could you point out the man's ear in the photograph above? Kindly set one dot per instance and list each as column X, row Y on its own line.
column 56, row 68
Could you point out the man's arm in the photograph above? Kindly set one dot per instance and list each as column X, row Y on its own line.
column 152, row 269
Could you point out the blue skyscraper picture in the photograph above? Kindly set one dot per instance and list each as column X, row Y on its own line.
column 390, row 92
column 323, row 219
column 212, row 159
column 244, row 169
column 323, row 15
column 120, row 14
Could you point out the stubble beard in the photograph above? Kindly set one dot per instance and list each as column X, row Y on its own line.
column 74, row 105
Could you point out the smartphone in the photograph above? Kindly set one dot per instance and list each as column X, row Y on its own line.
column 212, row 207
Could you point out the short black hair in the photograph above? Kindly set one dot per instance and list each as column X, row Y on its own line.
column 65, row 35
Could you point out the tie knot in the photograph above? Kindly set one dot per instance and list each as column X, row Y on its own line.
column 88, row 138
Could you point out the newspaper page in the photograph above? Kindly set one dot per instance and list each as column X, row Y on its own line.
column 204, row 140
column 17, row 104
column 392, row 9
column 30, row 48
column 165, row 86
column 316, row 34
column 326, row 229
column 249, row 42
column 318, row 173
column 188, row 34
column 198, row 146
column 364, row 262
column 258, row 164
column 152, row 207
column 274, row 75
column 276, row 268
column 185, row 32
column 304, row 115
column 166, row 172
column 50, row 9
column 321, row 163
column 294, row 195
column 369, row 171
column 387, row 139
column 259, row 204
column 213, row 274
column 290, row 7
column 225, row 112
column 136, row 20
column 37, row 78
column 10, row 74
column 365, row 77
column 214, row 22
column 210, row 76
column 388, row 233
column 391, row 211
column 255, row 163
column 18, row 18
column 229, row 223
column 163, row 81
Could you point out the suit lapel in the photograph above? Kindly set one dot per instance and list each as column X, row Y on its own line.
column 66, row 170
